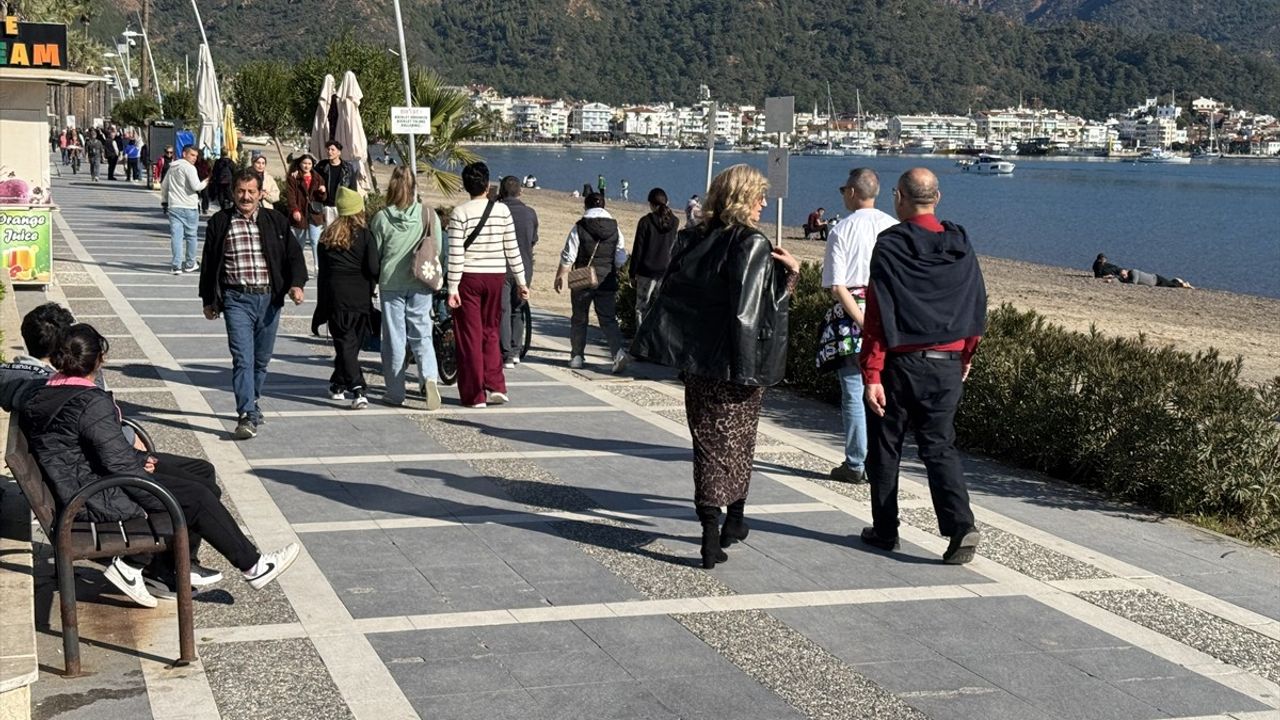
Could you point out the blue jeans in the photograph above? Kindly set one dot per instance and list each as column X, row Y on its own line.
column 182, row 236
column 251, row 334
column 853, row 411
column 309, row 237
column 406, row 320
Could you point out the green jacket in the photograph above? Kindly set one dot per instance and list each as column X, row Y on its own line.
column 397, row 233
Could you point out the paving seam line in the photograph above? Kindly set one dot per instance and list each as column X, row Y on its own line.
column 354, row 667
column 1256, row 687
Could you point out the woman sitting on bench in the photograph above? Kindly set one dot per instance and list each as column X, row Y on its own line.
column 73, row 431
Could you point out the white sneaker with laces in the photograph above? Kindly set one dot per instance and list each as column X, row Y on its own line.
column 431, row 393
column 577, row 362
column 129, row 581
column 270, row 565
column 497, row 398
column 620, row 361
column 359, row 403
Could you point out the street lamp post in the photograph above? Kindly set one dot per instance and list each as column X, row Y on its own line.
column 408, row 95
column 146, row 43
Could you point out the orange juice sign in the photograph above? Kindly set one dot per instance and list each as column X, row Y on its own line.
column 26, row 245
column 32, row 45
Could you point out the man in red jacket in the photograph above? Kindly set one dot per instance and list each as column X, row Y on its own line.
column 925, row 313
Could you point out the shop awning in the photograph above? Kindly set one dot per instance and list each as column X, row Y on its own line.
column 48, row 76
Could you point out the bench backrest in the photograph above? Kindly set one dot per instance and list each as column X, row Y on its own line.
column 25, row 470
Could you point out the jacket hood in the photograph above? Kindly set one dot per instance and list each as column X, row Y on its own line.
column 403, row 219
column 664, row 222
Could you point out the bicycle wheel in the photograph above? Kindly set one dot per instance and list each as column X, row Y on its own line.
column 442, row 338
column 527, row 316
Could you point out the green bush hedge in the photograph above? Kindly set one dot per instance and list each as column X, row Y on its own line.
column 1176, row 431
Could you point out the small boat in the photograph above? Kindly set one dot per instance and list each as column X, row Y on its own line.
column 1160, row 156
column 919, row 147
column 987, row 165
column 824, row 151
column 861, row 150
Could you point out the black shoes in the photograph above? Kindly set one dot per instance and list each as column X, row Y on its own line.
column 870, row 537
column 845, row 474
column 246, row 429
column 735, row 525
column 962, row 548
column 711, row 553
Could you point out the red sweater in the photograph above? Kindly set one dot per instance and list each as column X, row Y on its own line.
column 873, row 347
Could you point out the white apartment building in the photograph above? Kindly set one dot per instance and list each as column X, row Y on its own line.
column 1204, row 105
column 656, row 122
column 536, row 118
column 591, row 118
column 1025, row 123
column 1099, row 135
column 953, row 129
column 1158, row 132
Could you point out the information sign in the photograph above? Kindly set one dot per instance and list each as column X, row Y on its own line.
column 411, row 120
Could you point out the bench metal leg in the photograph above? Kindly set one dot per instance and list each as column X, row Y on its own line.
column 182, row 571
column 70, row 621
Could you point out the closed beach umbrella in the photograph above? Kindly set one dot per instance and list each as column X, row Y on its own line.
column 229, row 136
column 350, row 130
column 209, row 103
column 320, row 130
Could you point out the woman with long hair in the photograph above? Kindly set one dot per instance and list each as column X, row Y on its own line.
column 348, row 269
column 73, row 430
column 655, row 236
column 270, row 190
column 406, row 302
column 721, row 319
column 306, row 191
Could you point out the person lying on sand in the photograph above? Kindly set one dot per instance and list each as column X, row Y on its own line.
column 1104, row 269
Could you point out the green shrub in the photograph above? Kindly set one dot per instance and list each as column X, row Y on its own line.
column 808, row 306
column 1174, row 430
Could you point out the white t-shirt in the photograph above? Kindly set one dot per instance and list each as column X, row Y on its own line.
column 847, row 260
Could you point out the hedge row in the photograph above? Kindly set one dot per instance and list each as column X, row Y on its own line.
column 1175, row 431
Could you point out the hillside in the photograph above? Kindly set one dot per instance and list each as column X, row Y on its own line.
column 1242, row 25
column 905, row 55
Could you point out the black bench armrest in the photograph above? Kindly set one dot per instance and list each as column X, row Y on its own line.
column 68, row 515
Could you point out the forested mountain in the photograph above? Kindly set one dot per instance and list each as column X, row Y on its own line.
column 904, row 55
column 1242, row 25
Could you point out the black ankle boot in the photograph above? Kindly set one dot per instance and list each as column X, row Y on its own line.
column 709, row 516
column 735, row 526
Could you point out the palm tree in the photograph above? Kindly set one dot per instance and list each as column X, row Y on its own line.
column 444, row 150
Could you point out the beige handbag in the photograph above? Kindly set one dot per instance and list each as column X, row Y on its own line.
column 584, row 278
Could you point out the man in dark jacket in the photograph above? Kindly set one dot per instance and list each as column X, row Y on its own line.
column 250, row 264
column 926, row 311
column 223, row 174
column 594, row 241
column 336, row 173
column 511, row 331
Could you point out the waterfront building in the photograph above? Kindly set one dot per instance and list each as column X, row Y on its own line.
column 1158, row 132
column 953, row 130
column 1022, row 123
column 590, row 120
column 656, row 122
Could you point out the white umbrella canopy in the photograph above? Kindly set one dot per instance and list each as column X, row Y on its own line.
column 320, row 130
column 209, row 103
column 350, row 130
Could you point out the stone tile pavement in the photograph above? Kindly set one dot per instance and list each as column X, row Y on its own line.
column 538, row 560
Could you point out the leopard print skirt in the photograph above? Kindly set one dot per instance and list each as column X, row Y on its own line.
column 723, row 417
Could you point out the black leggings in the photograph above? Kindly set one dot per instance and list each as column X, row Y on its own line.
column 194, row 485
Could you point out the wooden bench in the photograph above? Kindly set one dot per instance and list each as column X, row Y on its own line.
column 81, row 540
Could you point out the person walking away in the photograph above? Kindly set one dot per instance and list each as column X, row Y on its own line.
column 345, row 279
column 95, row 151
column 594, row 241
column 133, row 159
column 926, row 312
column 655, row 236
column 250, row 264
column 111, row 152
column 336, row 173
column 600, row 184
column 224, row 173
column 721, row 320
column 846, row 267
column 180, row 198
column 204, row 171
column 511, row 329
column 482, row 249
column 72, row 428
column 692, row 211
column 306, row 195
column 406, row 302
column 270, row 190
column 626, row 189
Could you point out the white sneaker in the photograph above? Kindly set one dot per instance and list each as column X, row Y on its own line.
column 515, row 361
column 620, row 361
column 497, row 398
column 577, row 362
column 431, row 392
column 360, row 402
column 270, row 565
column 509, row 365
column 129, row 581
column 477, row 406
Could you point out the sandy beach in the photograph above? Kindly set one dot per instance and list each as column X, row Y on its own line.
column 1192, row 320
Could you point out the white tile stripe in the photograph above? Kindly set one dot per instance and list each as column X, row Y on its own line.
column 363, row 681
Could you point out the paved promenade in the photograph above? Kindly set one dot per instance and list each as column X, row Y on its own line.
column 539, row 560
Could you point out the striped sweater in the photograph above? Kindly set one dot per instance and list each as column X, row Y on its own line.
column 495, row 250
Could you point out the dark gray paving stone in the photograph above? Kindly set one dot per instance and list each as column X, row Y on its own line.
column 479, row 706
column 1190, row 696
column 569, row 431
column 1035, row 623
column 946, row 629
column 270, row 680
column 552, row 396
column 445, row 547
column 310, row 495
column 341, row 435
column 427, row 644
column 1023, row 672
column 996, row 705
column 1093, row 700
column 563, row 667
column 720, row 697
column 424, row 678
column 533, row 638
column 933, row 675
column 609, row 701
column 601, row 590
column 854, row 636
column 1119, row 664
column 657, row 647
column 355, row 551
column 376, row 592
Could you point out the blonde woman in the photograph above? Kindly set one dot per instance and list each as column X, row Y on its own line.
column 348, row 271
column 406, row 302
column 721, row 319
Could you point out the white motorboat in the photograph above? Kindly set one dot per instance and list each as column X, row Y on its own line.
column 988, row 165
column 1160, row 156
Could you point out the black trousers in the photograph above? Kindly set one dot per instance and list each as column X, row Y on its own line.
column 194, row 485
column 923, row 394
column 350, row 331
column 511, row 331
column 112, row 160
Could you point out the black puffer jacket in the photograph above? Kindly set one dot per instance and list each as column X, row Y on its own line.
column 722, row 310
column 74, row 434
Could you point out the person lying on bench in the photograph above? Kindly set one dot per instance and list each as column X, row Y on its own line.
column 72, row 428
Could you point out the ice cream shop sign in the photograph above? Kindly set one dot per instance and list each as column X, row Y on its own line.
column 32, row 45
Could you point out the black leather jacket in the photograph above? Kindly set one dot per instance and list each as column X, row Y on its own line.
column 722, row 310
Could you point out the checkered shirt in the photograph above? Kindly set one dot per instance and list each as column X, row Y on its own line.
column 246, row 264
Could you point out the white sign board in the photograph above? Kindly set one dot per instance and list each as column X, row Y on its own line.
column 778, row 160
column 411, row 120
column 780, row 114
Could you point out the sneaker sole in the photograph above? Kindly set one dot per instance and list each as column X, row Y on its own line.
column 966, row 551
